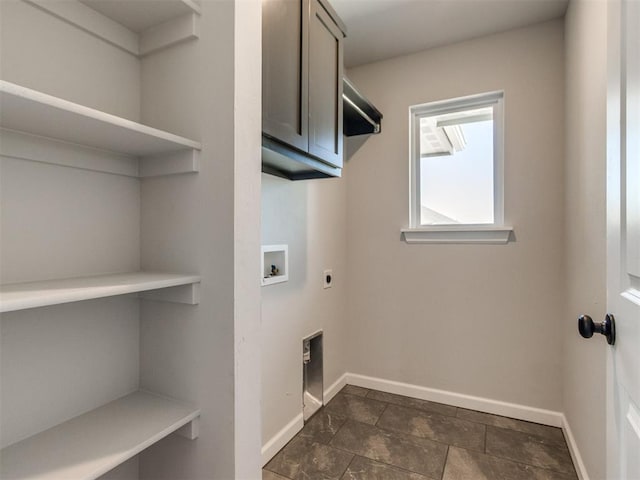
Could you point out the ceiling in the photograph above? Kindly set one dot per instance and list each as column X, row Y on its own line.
column 381, row 29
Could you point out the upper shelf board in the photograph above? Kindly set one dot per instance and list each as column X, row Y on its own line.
column 37, row 113
column 140, row 16
column 20, row 296
column 361, row 117
column 91, row 444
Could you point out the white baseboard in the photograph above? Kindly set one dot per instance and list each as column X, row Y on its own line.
column 338, row 385
column 496, row 407
column 573, row 449
column 281, row 438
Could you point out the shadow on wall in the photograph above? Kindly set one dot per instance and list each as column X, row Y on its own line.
column 284, row 221
column 353, row 144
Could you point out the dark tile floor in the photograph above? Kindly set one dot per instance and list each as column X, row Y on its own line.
column 369, row 435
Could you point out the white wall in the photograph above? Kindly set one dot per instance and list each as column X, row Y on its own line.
column 47, row 54
column 309, row 216
column 585, row 361
column 483, row 320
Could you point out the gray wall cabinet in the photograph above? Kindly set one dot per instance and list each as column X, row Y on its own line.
column 302, row 53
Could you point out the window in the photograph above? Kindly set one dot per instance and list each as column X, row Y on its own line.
column 456, row 170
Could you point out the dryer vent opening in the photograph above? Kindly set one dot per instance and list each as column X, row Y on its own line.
column 312, row 374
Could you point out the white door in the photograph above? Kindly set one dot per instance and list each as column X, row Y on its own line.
column 623, row 241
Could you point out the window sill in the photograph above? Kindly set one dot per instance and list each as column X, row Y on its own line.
column 486, row 234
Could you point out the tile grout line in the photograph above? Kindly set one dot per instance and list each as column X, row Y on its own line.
column 348, row 465
column 444, row 465
column 429, row 411
column 547, row 469
column 379, row 460
column 485, row 439
column 381, row 414
column 337, row 431
column 407, row 434
column 276, row 473
column 404, row 434
column 392, row 433
column 543, row 440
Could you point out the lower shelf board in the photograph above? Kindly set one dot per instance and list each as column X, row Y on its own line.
column 91, row 444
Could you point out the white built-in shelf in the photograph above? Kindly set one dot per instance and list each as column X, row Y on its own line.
column 91, row 444
column 20, row 296
column 40, row 127
column 37, row 113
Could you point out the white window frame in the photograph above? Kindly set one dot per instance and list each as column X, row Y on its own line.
column 495, row 232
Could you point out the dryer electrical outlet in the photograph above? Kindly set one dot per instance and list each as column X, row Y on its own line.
column 327, row 278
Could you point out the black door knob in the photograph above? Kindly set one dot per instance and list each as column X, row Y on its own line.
column 587, row 327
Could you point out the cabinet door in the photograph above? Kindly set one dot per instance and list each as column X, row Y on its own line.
column 325, row 86
column 285, row 109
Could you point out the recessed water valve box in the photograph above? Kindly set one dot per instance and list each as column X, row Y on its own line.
column 274, row 264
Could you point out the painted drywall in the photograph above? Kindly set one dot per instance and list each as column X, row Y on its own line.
column 208, row 224
column 483, row 320
column 310, row 217
column 585, row 203
column 57, row 362
column 247, row 225
column 47, row 54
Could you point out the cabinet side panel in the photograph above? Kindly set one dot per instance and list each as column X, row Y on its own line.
column 325, row 87
column 284, row 71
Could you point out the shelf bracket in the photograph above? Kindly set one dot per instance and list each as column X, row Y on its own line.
column 187, row 294
column 191, row 430
column 170, row 33
column 182, row 161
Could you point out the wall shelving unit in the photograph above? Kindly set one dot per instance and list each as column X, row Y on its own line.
column 95, row 435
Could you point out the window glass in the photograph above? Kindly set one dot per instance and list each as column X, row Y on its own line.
column 456, row 169
column 457, row 162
